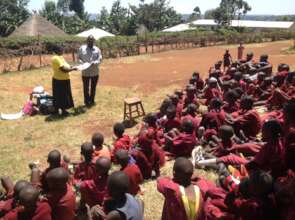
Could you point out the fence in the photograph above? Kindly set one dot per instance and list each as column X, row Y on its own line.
column 27, row 53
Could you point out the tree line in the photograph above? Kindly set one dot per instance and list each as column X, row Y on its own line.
column 70, row 15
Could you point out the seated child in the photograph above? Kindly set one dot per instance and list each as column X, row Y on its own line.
column 123, row 140
column 85, row 170
column 149, row 157
column 246, row 119
column 131, row 170
column 271, row 157
column 171, row 122
column 12, row 194
column 60, row 196
column 94, row 191
column 191, row 114
column 183, row 200
column 30, row 207
column 99, row 149
column 122, row 205
column 182, row 143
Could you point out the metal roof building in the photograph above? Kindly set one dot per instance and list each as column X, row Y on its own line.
column 234, row 23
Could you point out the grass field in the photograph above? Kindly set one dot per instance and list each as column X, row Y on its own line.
column 150, row 77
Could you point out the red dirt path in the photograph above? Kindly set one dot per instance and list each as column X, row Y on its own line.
column 149, row 72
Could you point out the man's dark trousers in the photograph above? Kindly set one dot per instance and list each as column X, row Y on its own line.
column 89, row 87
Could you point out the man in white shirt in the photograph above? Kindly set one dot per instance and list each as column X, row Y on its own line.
column 91, row 54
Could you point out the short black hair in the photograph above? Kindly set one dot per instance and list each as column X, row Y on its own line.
column 54, row 158
column 274, row 127
column 97, row 139
column 118, row 183
column 87, row 150
column 188, row 126
column 119, row 129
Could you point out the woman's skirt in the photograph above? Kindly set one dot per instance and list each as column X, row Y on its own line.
column 62, row 94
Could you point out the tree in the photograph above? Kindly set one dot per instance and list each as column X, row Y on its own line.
column 63, row 6
column 209, row 14
column 103, row 20
column 229, row 10
column 50, row 12
column 195, row 15
column 78, row 7
column 13, row 13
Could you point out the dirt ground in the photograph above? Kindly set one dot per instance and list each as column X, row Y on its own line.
column 149, row 72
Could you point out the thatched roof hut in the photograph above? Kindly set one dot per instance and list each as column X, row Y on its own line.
column 37, row 25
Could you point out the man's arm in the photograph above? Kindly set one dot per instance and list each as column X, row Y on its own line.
column 79, row 53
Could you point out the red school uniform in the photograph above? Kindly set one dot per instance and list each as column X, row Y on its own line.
column 183, row 144
column 289, row 142
column 248, row 121
column 122, row 143
column 173, row 206
column 6, row 206
column 271, row 157
column 170, row 124
column 85, row 171
column 94, row 192
column 149, row 159
column 213, row 117
column 63, row 204
column 211, row 93
column 42, row 212
column 196, row 120
column 135, row 178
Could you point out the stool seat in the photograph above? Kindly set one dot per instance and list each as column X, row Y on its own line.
column 129, row 105
column 133, row 100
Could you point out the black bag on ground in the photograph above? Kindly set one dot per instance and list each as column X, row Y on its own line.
column 45, row 104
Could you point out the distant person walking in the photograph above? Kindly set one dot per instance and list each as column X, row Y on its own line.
column 61, row 84
column 90, row 54
column 227, row 60
column 241, row 49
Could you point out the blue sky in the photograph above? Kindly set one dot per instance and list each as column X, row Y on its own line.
column 275, row 7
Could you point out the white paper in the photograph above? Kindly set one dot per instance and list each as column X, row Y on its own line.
column 83, row 66
column 11, row 116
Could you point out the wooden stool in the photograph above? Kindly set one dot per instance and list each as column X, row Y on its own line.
column 128, row 104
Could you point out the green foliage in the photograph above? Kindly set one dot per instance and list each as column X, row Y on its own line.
column 78, row 7
column 195, row 15
column 229, row 10
column 13, row 13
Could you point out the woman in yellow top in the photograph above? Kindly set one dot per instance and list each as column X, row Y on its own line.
column 61, row 84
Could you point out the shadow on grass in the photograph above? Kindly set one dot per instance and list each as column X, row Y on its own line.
column 130, row 124
column 79, row 110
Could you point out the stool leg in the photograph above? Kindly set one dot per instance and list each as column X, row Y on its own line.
column 124, row 117
column 137, row 110
column 142, row 109
column 130, row 112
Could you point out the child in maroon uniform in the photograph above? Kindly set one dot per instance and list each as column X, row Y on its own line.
column 94, row 191
column 60, row 195
column 123, row 140
column 149, row 158
column 212, row 91
column 171, row 122
column 183, row 200
column 30, row 207
column 182, row 144
column 271, row 156
column 85, row 169
column 131, row 170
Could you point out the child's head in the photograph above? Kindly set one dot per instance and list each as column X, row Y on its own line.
column 230, row 97
column 151, row 118
column 191, row 109
column 264, row 58
column 19, row 185
column 190, row 90
column 87, row 151
column 260, row 183
column 250, row 56
column 271, row 130
column 97, row 139
column 182, row 171
column 226, row 132
column 289, row 112
column 28, row 198
column 188, row 126
column 54, row 159
column 239, row 92
column 119, row 129
column 174, row 99
column 215, row 104
column 212, row 82
column 122, row 157
column 247, row 103
column 171, row 112
column 102, row 166
column 238, row 76
column 164, row 105
column 118, row 185
column 57, row 179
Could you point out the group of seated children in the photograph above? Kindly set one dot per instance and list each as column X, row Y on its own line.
column 220, row 124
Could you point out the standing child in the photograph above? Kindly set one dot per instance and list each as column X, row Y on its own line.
column 227, row 60
column 183, row 200
column 241, row 49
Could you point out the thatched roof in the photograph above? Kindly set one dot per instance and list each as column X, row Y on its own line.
column 37, row 25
